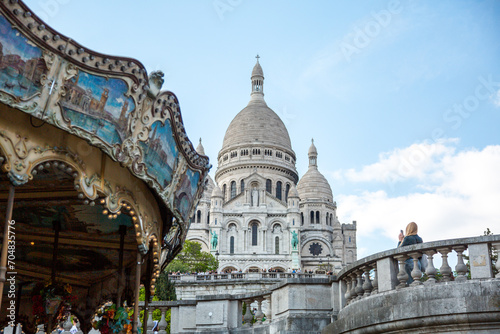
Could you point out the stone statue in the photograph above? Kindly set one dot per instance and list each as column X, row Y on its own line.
column 214, row 240
column 255, row 197
column 155, row 81
column 295, row 240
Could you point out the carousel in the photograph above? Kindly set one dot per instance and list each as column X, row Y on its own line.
column 98, row 179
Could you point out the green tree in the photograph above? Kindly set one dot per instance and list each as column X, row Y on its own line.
column 192, row 259
column 165, row 288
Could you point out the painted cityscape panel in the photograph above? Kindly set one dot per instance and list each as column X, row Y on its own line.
column 21, row 63
column 160, row 153
column 185, row 194
column 98, row 105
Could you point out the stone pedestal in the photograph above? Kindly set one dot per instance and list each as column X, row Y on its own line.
column 295, row 259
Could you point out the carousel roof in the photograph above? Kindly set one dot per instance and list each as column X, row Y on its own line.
column 98, row 156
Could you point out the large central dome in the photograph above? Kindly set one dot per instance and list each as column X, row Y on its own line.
column 257, row 123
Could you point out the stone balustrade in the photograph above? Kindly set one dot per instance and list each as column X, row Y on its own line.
column 242, row 276
column 382, row 278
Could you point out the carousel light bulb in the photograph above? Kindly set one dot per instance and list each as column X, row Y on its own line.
column 119, row 213
column 104, row 212
column 138, row 234
column 136, row 225
column 103, row 201
column 132, row 212
column 110, row 216
column 128, row 207
column 134, row 218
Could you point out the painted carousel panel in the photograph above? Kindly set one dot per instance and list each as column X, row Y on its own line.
column 186, row 193
column 98, row 105
column 21, row 63
column 160, row 153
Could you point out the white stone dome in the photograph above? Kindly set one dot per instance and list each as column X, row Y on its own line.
column 313, row 185
column 257, row 123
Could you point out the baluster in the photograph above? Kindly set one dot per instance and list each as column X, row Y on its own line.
column 259, row 315
column 139, row 323
column 359, row 285
column 367, row 286
column 40, row 329
column 248, row 317
column 460, row 268
column 375, row 280
column 445, row 267
column 354, row 281
column 416, row 273
column 496, row 246
column 402, row 275
column 162, row 325
column 78, row 330
column 67, row 325
column 431, row 271
column 347, row 295
column 150, row 323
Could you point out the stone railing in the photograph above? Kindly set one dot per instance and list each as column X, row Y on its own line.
column 242, row 276
column 163, row 306
column 383, row 274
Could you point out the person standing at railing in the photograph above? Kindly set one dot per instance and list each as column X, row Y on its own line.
column 410, row 238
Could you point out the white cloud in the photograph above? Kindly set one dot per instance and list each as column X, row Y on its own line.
column 119, row 100
column 462, row 196
column 418, row 161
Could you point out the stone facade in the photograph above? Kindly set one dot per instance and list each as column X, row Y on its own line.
column 258, row 215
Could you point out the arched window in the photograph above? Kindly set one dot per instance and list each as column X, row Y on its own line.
column 231, row 245
column 242, row 186
column 254, row 234
column 278, row 190
column 331, row 219
column 269, row 186
column 312, row 218
column 233, row 189
column 276, row 245
column 198, row 216
column 318, row 221
column 301, row 218
column 287, row 189
column 224, row 192
column 208, row 218
column 327, row 220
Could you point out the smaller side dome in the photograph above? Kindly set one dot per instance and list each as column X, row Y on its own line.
column 217, row 192
column 313, row 185
column 200, row 149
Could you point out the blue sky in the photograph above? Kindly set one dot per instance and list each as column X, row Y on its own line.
column 402, row 98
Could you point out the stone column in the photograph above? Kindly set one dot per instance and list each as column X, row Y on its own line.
column 402, row 275
column 367, row 285
column 431, row 271
column 416, row 273
column 460, row 268
column 259, row 315
column 387, row 271
column 359, row 285
column 162, row 325
column 248, row 317
column 445, row 267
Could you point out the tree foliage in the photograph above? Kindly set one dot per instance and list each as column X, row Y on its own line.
column 193, row 259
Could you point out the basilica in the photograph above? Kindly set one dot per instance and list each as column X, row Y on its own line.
column 259, row 215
